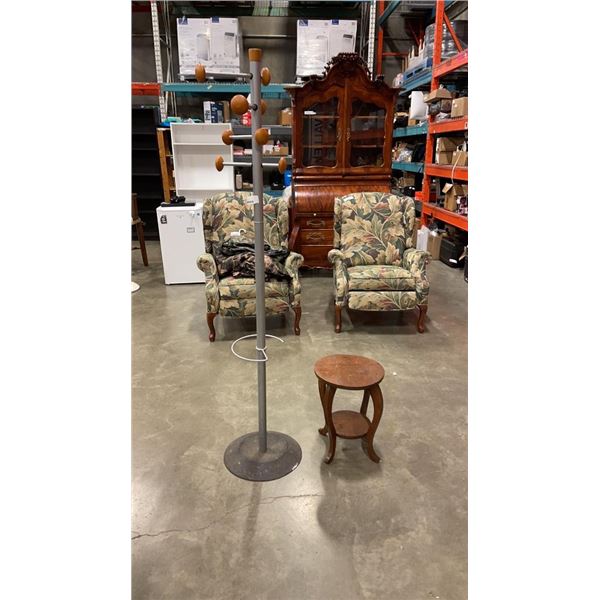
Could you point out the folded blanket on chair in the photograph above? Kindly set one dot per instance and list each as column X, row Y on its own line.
column 237, row 259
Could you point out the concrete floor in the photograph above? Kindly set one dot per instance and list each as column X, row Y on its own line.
column 349, row 530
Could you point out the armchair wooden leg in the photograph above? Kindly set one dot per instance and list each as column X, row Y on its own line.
column 210, row 317
column 338, row 318
column 421, row 320
column 298, row 311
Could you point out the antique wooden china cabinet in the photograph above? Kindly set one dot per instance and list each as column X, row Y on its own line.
column 342, row 143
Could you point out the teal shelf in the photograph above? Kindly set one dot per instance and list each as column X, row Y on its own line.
column 401, row 132
column 420, row 81
column 276, row 130
column 408, row 166
column 247, row 158
column 392, row 6
column 274, row 90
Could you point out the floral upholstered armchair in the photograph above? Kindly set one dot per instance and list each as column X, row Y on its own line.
column 375, row 264
column 230, row 296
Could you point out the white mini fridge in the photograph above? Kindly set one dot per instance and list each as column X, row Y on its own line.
column 181, row 242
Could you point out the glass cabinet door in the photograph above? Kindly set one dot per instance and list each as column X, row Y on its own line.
column 320, row 131
column 366, row 135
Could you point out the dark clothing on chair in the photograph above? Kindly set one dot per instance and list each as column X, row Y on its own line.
column 237, row 259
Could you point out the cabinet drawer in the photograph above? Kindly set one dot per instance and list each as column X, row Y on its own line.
column 315, row 222
column 316, row 237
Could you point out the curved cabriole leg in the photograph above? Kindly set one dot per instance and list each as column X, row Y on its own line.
column 421, row 320
column 338, row 318
column 322, row 391
column 329, row 394
column 377, row 396
column 365, row 403
column 210, row 317
column 298, row 311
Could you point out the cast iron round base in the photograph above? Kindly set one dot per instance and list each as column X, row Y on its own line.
column 244, row 459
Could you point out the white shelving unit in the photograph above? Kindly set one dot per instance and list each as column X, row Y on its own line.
column 195, row 147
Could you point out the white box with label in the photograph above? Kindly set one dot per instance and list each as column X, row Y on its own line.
column 213, row 42
column 320, row 40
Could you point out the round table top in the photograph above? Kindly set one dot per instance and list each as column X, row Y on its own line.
column 349, row 371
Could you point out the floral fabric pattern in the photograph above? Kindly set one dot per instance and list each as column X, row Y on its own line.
column 247, row 307
column 375, row 264
column 292, row 264
column 380, row 277
column 207, row 264
column 374, row 227
column 225, row 213
column 232, row 288
column 382, row 300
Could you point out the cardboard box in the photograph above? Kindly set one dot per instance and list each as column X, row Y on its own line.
column 214, row 43
column 434, row 243
column 444, row 158
column 448, row 144
column 285, row 116
column 413, row 122
column 460, row 158
column 460, row 107
column 408, row 179
column 439, row 94
column 451, row 193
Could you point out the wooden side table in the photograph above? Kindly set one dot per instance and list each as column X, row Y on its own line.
column 350, row 372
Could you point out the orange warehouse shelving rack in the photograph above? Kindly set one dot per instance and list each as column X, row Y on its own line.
column 439, row 70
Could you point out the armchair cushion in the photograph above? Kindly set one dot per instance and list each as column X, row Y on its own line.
column 380, row 277
column 245, row 287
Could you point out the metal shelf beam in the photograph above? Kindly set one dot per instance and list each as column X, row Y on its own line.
column 274, row 90
column 408, row 166
column 446, row 216
column 387, row 12
column 420, row 81
column 276, row 130
column 449, row 125
column 401, row 132
column 448, row 171
column 451, row 64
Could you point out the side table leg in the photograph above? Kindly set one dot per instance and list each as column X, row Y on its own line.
column 328, row 404
column 375, row 392
column 365, row 403
column 322, row 392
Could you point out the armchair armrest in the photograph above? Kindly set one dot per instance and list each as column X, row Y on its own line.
column 292, row 265
column 340, row 276
column 293, row 262
column 206, row 263
column 416, row 261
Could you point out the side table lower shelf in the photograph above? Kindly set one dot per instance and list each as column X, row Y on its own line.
column 350, row 424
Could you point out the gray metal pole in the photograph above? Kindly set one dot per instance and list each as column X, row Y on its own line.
column 259, row 248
